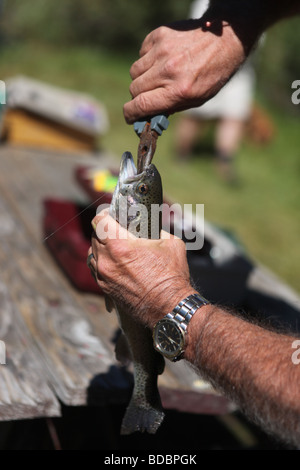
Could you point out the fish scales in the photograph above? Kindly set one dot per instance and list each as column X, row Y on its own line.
column 144, row 412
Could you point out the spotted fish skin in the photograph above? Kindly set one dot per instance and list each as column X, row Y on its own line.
column 144, row 412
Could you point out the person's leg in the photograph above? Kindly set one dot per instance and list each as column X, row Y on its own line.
column 187, row 130
column 229, row 133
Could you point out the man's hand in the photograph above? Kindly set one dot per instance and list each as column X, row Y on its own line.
column 185, row 64
column 180, row 67
column 147, row 276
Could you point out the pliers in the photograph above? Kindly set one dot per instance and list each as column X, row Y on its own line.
column 148, row 130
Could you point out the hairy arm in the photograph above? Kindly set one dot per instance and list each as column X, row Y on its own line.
column 183, row 65
column 251, row 365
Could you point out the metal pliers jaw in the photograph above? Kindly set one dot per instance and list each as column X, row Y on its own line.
column 148, row 130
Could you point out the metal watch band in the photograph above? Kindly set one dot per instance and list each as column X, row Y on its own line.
column 184, row 311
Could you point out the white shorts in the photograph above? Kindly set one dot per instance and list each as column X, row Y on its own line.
column 234, row 100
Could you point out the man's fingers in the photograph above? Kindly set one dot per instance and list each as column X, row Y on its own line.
column 107, row 228
column 92, row 264
column 151, row 79
column 141, row 66
column 100, row 216
column 168, row 236
column 149, row 103
column 147, row 57
column 147, row 43
column 158, row 37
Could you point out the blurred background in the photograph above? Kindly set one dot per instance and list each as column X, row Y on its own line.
column 89, row 46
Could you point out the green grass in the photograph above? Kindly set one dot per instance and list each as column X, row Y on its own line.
column 263, row 211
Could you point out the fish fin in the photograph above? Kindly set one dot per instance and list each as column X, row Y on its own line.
column 139, row 419
column 109, row 304
column 122, row 350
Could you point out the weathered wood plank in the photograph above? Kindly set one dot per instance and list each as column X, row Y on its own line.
column 70, row 350
column 24, row 392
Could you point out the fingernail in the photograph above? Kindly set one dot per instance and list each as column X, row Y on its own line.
column 94, row 225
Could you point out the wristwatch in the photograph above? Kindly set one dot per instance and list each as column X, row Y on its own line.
column 169, row 333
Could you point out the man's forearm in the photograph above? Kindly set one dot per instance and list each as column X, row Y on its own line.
column 251, row 365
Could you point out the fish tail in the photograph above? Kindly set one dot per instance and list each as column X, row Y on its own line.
column 140, row 419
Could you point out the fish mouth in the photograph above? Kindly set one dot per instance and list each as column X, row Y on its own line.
column 127, row 175
column 128, row 172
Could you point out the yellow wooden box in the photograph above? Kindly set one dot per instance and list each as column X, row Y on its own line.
column 24, row 128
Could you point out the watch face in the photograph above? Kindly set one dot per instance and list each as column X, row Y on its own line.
column 168, row 338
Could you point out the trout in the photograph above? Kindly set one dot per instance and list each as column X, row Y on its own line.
column 133, row 194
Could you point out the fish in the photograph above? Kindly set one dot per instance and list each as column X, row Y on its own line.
column 135, row 192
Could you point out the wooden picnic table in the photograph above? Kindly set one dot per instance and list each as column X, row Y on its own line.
column 60, row 341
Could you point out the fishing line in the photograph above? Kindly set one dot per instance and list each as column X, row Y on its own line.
column 73, row 218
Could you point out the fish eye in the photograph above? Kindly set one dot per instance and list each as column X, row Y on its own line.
column 143, row 188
